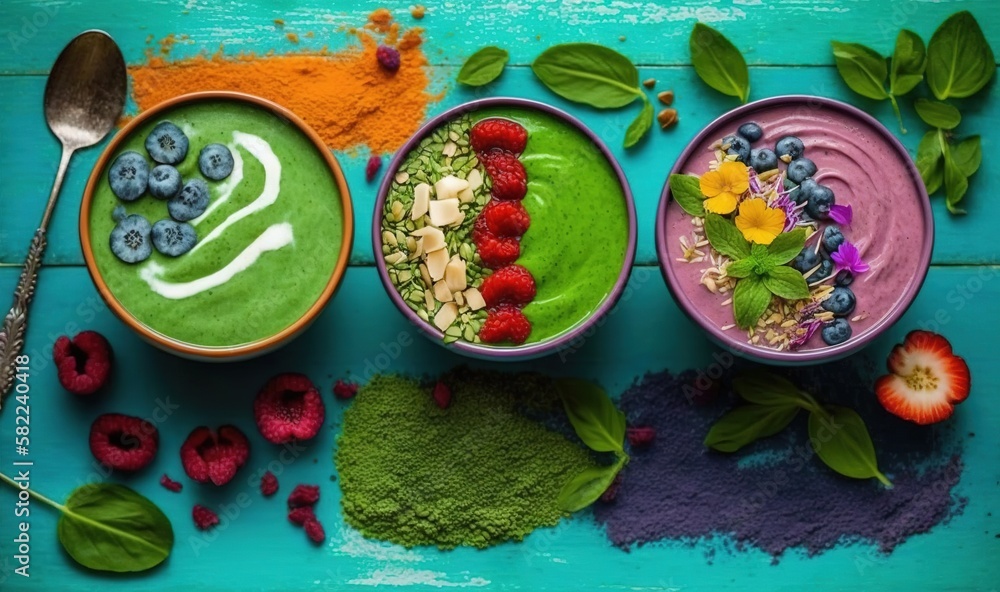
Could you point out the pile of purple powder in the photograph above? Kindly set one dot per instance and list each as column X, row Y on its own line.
column 774, row 494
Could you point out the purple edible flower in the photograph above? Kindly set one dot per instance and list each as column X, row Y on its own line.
column 841, row 214
column 785, row 204
column 754, row 182
column 848, row 257
column 811, row 326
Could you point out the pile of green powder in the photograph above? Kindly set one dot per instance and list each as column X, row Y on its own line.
column 483, row 471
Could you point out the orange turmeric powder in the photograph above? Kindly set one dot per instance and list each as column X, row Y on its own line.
column 345, row 96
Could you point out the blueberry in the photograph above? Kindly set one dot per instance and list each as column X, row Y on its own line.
column 118, row 214
column 821, row 199
column 840, row 302
column 751, row 131
column 128, row 176
column 836, row 332
column 130, row 239
column 801, row 169
column 844, row 278
column 167, row 144
column 164, row 182
column 832, row 238
column 763, row 159
column 739, row 146
column 215, row 162
column 806, row 189
column 173, row 238
column 190, row 203
column 825, row 270
column 789, row 146
column 806, row 260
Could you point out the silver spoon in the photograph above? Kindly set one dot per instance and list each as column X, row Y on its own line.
column 84, row 97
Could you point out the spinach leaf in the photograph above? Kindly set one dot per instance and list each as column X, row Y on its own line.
column 766, row 388
column 640, row 125
column 686, row 191
column 937, row 114
column 955, row 184
column 841, row 440
column 968, row 155
column 483, row 67
column 588, row 73
column 595, row 418
column 862, row 68
column 930, row 161
column 748, row 423
column 959, row 59
column 586, row 487
column 718, row 63
column 909, row 59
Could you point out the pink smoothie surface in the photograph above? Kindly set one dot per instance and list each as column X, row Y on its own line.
column 864, row 171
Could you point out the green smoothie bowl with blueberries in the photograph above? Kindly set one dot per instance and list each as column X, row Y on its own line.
column 216, row 225
column 504, row 229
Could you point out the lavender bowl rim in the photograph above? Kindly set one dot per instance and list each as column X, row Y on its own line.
column 489, row 352
column 825, row 354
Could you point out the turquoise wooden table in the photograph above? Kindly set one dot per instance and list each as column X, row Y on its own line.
column 787, row 47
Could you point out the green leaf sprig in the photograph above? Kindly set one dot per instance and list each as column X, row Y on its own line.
column 837, row 434
column 483, row 67
column 109, row 527
column 760, row 271
column 597, row 76
column 601, row 426
column 718, row 62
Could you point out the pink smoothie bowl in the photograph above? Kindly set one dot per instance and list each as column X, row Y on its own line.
column 868, row 169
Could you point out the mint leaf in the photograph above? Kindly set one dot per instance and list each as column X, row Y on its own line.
column 909, row 59
column 742, row 268
column 937, row 114
column 750, row 299
column 718, row 63
column 862, row 68
column 595, row 418
column 686, row 191
column 725, row 237
column 748, row 423
column 786, row 246
column 785, row 282
column 959, row 59
column 766, row 388
column 586, row 487
column 640, row 125
column 955, row 184
column 930, row 161
column 588, row 73
column 967, row 154
column 841, row 440
column 483, row 67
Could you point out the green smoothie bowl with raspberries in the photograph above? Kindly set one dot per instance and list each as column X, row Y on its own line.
column 504, row 229
column 217, row 225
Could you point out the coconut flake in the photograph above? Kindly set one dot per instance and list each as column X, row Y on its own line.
column 446, row 316
column 437, row 261
column 449, row 186
column 441, row 291
column 445, row 211
column 474, row 299
column 454, row 274
column 421, row 200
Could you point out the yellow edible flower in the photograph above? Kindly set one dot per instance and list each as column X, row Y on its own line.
column 759, row 223
column 723, row 186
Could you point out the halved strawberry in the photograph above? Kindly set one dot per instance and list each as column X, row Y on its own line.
column 927, row 380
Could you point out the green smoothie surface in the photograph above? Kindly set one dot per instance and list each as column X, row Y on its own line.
column 276, row 289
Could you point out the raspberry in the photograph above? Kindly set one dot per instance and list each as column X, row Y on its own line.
column 301, row 515
column 611, row 492
column 303, row 495
column 512, row 284
column 344, row 390
column 314, row 530
column 371, row 169
column 506, row 218
column 494, row 250
column 505, row 323
column 83, row 363
column 442, row 395
column 510, row 181
column 203, row 517
column 214, row 457
column 498, row 133
column 123, row 442
column 640, row 436
column 387, row 57
column 268, row 484
column 289, row 408
column 170, row 484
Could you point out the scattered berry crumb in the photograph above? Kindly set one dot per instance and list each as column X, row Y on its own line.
column 314, row 530
column 303, row 495
column 170, row 484
column 293, row 37
column 442, row 395
column 640, row 436
column 301, row 515
column 373, row 166
column 611, row 492
column 387, row 57
column 83, row 363
column 344, row 390
column 418, row 11
column 203, row 517
column 268, row 484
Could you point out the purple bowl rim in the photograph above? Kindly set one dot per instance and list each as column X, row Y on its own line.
column 817, row 355
column 521, row 352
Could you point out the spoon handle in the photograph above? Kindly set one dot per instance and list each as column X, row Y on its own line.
column 16, row 321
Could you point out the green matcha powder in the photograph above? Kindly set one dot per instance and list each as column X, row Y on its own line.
column 483, row 471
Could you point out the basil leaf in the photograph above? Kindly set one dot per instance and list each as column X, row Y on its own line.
column 686, row 191
column 967, row 154
column 955, row 184
column 937, row 114
column 786, row 246
column 588, row 73
column 725, row 237
column 862, row 68
column 959, row 59
column 930, row 161
column 718, row 63
column 595, row 418
column 640, row 125
column 841, row 440
column 483, row 67
column 109, row 527
column 766, row 388
column 742, row 268
column 750, row 299
column 748, row 423
column 908, row 62
column 786, row 283
column 586, row 487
